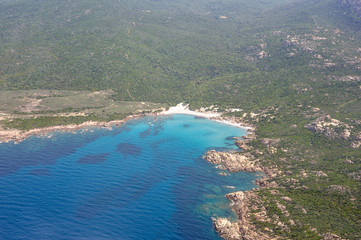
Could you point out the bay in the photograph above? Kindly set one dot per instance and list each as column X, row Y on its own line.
column 144, row 180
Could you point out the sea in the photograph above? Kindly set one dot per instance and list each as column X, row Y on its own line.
column 144, row 180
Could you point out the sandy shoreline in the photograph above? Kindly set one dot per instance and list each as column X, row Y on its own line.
column 15, row 135
column 184, row 109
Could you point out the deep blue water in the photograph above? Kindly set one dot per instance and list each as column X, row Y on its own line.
column 144, row 180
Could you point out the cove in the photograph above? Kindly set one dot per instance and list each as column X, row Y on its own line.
column 143, row 180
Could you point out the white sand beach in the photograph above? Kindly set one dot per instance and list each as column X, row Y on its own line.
column 182, row 108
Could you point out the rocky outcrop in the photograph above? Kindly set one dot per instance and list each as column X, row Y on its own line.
column 242, row 203
column 319, row 174
column 331, row 128
column 256, row 53
column 339, row 189
column 355, row 175
column 264, row 182
column 243, row 145
column 227, row 229
column 335, row 129
column 347, row 78
column 331, row 236
column 233, row 162
column 356, row 143
column 268, row 142
column 271, row 144
column 245, row 204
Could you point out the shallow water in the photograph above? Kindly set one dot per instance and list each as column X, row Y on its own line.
column 144, row 180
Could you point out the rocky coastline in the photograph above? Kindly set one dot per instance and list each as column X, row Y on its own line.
column 243, row 202
column 233, row 162
column 16, row 135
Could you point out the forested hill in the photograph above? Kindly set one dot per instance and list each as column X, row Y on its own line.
column 354, row 7
column 135, row 45
column 168, row 51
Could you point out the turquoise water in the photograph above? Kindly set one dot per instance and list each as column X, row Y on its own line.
column 144, row 180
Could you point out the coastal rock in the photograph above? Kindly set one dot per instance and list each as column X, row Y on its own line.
column 242, row 203
column 247, row 205
column 10, row 135
column 243, row 145
column 249, row 137
column 227, row 229
column 233, row 162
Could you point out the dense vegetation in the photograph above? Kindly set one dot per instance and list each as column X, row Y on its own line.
column 288, row 61
column 321, row 176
